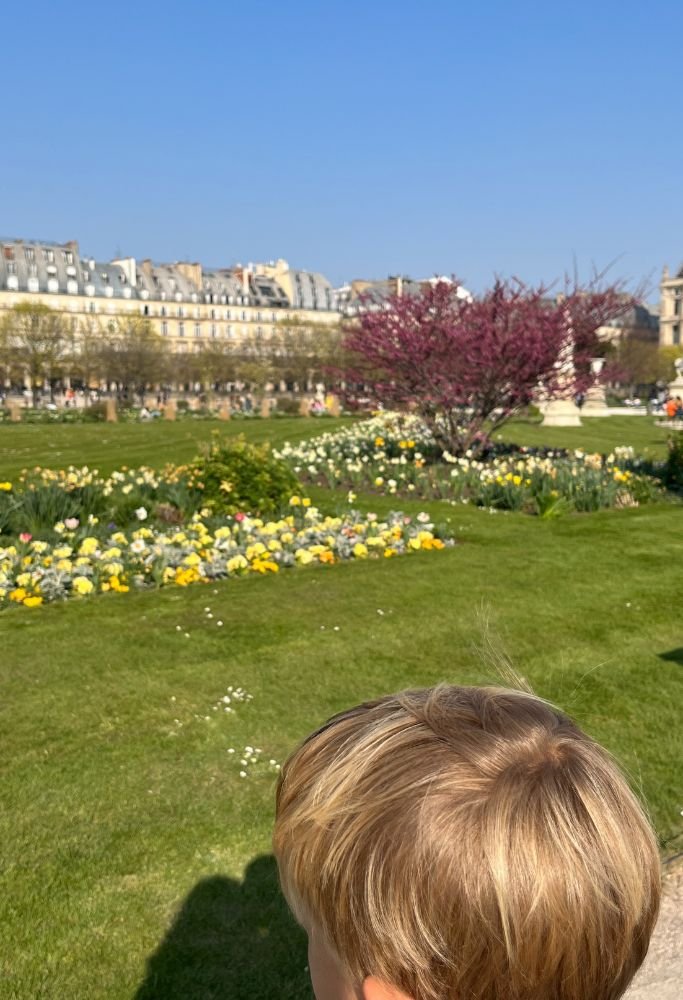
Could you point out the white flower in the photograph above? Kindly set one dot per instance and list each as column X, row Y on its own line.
column 141, row 514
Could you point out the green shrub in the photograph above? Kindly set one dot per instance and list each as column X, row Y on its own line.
column 287, row 405
column 673, row 468
column 238, row 477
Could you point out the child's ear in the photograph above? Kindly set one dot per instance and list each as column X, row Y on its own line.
column 375, row 989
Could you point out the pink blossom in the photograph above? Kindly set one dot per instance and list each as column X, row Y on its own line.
column 25, row 536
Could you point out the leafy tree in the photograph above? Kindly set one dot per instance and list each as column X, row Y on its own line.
column 34, row 342
column 211, row 366
column 86, row 351
column 134, row 355
column 467, row 365
column 635, row 362
column 306, row 352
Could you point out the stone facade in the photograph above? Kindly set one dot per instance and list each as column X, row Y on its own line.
column 671, row 309
column 186, row 303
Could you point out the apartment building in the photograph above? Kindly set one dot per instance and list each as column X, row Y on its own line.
column 186, row 303
column 671, row 308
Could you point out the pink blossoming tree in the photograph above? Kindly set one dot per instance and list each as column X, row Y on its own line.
column 466, row 366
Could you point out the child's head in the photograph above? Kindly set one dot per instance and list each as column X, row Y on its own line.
column 460, row 843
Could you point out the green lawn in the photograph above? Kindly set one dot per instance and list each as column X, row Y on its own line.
column 136, row 862
column 109, row 446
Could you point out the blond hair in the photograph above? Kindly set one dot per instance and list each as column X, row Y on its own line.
column 462, row 842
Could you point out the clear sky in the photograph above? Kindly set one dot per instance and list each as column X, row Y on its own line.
column 355, row 138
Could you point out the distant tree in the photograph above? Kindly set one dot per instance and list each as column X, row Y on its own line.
column 211, row 366
column 467, row 365
column 34, row 343
column 636, row 362
column 134, row 355
column 306, row 352
column 86, row 351
column 667, row 356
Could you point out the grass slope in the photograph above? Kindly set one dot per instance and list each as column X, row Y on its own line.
column 135, row 861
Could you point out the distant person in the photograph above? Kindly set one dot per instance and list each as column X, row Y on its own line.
column 671, row 407
column 461, row 842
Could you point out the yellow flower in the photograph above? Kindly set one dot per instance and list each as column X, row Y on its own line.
column 326, row 557
column 303, row 556
column 89, row 546
column 379, row 441
column 295, row 501
column 18, row 594
column 32, row 602
column 360, row 550
column 24, row 579
column 82, row 585
column 265, row 566
column 378, row 481
column 255, row 550
column 306, row 502
column 5, row 487
column 236, row 563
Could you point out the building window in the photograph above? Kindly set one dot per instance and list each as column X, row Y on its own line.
column 181, row 329
column 49, row 256
column 68, row 257
column 231, row 332
column 164, row 328
column 676, row 334
column 30, row 254
column 213, row 314
column 181, row 311
column 162, row 311
column 11, row 267
column 92, row 307
column 213, row 329
column 244, row 315
column 8, row 253
column 197, row 330
column 228, row 314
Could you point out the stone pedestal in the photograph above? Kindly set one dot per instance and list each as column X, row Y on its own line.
column 110, row 411
column 224, row 411
column 595, row 403
column 14, row 413
column 561, row 413
column 676, row 387
column 170, row 410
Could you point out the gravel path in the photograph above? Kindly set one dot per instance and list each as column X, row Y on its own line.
column 661, row 977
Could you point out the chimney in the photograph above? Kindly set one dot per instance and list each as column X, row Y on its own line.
column 193, row 273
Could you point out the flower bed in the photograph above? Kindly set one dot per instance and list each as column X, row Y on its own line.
column 85, row 559
column 397, row 455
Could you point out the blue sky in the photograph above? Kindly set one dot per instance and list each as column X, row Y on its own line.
column 359, row 139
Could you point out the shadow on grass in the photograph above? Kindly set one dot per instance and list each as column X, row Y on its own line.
column 231, row 941
column 673, row 655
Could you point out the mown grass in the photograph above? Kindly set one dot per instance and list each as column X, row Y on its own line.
column 135, row 861
column 109, row 446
